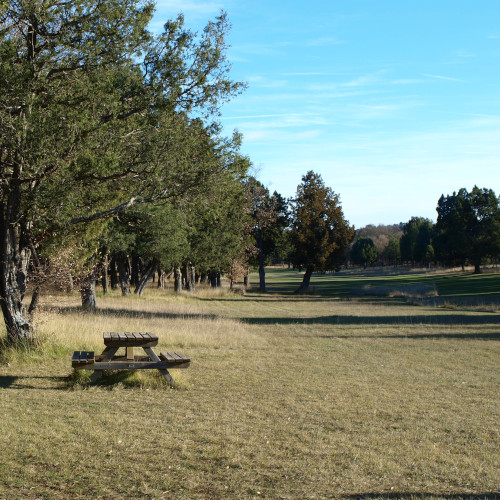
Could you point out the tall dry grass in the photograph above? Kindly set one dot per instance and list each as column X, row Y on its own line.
column 287, row 397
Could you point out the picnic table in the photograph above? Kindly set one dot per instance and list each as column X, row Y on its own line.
column 129, row 360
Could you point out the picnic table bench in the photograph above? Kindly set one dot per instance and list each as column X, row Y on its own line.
column 110, row 360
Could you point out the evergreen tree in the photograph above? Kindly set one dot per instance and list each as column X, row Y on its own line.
column 364, row 252
column 468, row 227
column 319, row 231
column 94, row 111
column 417, row 235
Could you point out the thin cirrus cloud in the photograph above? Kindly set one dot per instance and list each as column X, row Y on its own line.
column 442, row 77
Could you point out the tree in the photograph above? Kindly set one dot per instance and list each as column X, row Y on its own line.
column 392, row 252
column 416, row 238
column 319, row 232
column 269, row 218
column 364, row 252
column 468, row 227
column 93, row 115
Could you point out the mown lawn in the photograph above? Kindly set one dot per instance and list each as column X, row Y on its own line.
column 316, row 396
column 447, row 284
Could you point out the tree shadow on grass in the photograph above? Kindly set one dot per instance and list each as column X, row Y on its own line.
column 423, row 496
column 456, row 336
column 110, row 311
column 22, row 382
column 444, row 319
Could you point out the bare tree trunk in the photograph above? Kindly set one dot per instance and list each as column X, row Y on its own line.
column 112, row 274
column 146, row 277
column 104, row 279
column 177, row 279
column 190, row 277
column 161, row 278
column 124, row 275
column 134, row 279
column 307, row 279
column 212, row 276
column 14, row 261
column 262, row 271
column 87, row 291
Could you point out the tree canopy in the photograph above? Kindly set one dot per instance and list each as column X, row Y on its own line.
column 97, row 114
column 468, row 227
column 319, row 232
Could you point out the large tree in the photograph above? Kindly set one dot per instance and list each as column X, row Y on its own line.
column 93, row 114
column 319, row 231
column 468, row 227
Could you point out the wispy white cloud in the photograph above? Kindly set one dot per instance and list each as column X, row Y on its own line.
column 312, row 73
column 465, row 54
column 324, row 41
column 294, row 115
column 441, row 77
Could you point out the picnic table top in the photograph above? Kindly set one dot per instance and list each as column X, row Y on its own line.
column 128, row 339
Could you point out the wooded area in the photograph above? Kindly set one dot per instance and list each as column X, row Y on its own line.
column 114, row 168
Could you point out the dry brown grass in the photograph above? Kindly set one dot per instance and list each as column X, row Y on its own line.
column 287, row 397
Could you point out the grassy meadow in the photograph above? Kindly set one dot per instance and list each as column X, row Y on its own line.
column 325, row 395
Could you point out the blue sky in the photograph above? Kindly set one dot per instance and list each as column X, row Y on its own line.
column 393, row 103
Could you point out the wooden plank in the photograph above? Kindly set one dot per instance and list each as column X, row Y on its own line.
column 125, row 365
column 91, row 356
column 174, row 358
column 130, row 352
column 106, row 336
column 76, row 357
column 83, row 356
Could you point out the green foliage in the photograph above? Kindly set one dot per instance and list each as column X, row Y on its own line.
column 392, row 252
column 319, row 231
column 97, row 114
column 468, row 227
column 416, row 238
column 364, row 252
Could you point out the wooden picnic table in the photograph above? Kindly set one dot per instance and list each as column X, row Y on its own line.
column 129, row 360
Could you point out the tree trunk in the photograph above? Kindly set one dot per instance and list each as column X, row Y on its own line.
column 477, row 268
column 189, row 274
column 177, row 280
column 112, row 274
column 134, row 279
column 212, row 276
column 203, row 278
column 146, row 276
column 219, row 282
column 307, row 279
column 123, row 271
column 262, row 271
column 161, row 278
column 13, row 272
column 246, row 279
column 87, row 291
column 105, row 264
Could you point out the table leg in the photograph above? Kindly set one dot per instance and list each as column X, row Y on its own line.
column 108, row 354
column 155, row 358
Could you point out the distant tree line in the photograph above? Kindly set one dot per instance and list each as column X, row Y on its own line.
column 467, row 232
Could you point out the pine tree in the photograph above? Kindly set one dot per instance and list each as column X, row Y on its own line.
column 320, row 233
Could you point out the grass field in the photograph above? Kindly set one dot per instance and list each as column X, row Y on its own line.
column 288, row 396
